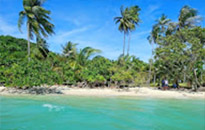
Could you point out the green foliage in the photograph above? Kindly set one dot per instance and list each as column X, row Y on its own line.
column 129, row 70
column 50, row 68
column 180, row 52
column 10, row 50
column 33, row 73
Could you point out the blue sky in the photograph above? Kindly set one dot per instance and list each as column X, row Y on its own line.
column 90, row 22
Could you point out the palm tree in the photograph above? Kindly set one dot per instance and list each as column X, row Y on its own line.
column 37, row 20
column 163, row 23
column 132, row 28
column 172, row 28
column 85, row 54
column 124, row 23
column 188, row 17
column 42, row 47
column 158, row 30
column 70, row 50
column 152, row 38
column 133, row 14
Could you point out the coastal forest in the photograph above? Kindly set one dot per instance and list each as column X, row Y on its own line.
column 178, row 53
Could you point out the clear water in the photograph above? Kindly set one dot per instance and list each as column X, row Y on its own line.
column 87, row 113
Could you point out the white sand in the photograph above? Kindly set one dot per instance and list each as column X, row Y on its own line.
column 134, row 92
column 131, row 92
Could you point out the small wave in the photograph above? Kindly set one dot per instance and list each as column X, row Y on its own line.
column 53, row 107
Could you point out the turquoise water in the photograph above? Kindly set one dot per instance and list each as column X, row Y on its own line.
column 94, row 113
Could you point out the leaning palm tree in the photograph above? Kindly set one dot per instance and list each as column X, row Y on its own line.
column 85, row 54
column 158, row 30
column 124, row 23
column 188, row 17
column 37, row 20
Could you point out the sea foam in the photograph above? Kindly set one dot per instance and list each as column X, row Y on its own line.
column 53, row 107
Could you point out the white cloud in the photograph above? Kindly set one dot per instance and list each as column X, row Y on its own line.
column 153, row 8
column 140, row 34
column 63, row 36
column 75, row 31
column 150, row 13
column 74, row 21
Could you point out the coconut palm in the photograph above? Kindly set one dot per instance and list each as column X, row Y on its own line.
column 37, row 20
column 70, row 50
column 158, row 30
column 42, row 47
column 124, row 23
column 163, row 23
column 85, row 54
column 133, row 14
column 152, row 38
column 172, row 28
column 188, row 17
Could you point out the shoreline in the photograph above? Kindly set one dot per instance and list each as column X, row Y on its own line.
column 144, row 92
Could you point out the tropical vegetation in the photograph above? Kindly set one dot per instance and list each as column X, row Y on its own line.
column 180, row 48
column 178, row 54
column 72, row 67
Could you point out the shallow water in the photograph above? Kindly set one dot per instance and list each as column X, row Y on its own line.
column 113, row 113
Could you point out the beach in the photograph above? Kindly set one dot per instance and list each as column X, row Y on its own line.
column 135, row 92
column 147, row 92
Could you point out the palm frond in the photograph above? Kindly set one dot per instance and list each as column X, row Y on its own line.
column 22, row 16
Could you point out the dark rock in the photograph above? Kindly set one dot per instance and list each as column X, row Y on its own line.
column 33, row 90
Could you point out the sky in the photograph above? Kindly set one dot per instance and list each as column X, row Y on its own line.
column 90, row 23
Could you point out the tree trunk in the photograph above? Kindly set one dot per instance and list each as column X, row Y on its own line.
column 150, row 71
column 150, row 67
column 154, row 78
column 28, row 36
column 124, row 45
column 184, row 78
column 128, row 46
column 201, row 77
column 196, row 79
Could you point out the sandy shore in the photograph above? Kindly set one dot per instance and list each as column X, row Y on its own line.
column 135, row 92
column 131, row 92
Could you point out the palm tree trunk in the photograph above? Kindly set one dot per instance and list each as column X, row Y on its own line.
column 128, row 46
column 201, row 77
column 124, row 45
column 150, row 67
column 28, row 36
column 150, row 72
column 154, row 78
column 184, row 77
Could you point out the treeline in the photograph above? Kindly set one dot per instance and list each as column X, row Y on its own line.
column 178, row 53
column 72, row 67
